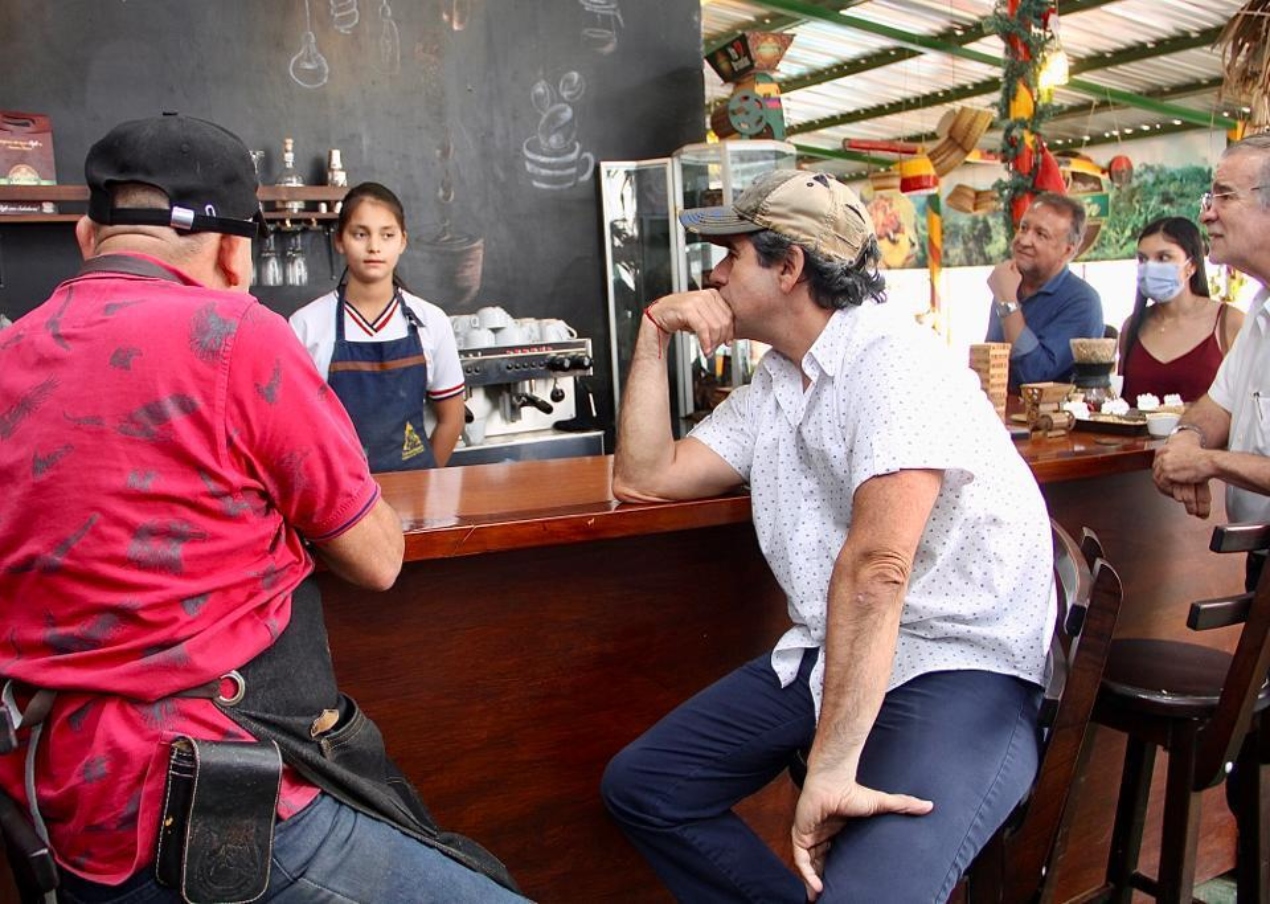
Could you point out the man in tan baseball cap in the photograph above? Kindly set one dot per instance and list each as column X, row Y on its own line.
column 914, row 551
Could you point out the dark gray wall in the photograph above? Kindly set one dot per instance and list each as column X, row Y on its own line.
column 438, row 113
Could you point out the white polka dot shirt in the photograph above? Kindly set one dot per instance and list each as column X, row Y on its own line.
column 886, row 395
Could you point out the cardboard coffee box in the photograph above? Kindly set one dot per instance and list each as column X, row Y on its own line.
column 26, row 157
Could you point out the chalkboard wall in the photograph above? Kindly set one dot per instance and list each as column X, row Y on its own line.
column 483, row 115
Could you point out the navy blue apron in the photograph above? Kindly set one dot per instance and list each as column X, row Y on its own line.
column 383, row 385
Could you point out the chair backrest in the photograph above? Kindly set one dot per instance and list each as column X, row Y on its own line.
column 1225, row 731
column 1013, row 865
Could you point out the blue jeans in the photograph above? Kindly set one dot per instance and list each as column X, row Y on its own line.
column 329, row 852
column 965, row 740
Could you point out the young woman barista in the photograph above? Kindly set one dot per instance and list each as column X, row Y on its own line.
column 1176, row 343
column 382, row 350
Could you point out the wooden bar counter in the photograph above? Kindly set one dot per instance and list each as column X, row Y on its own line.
column 538, row 626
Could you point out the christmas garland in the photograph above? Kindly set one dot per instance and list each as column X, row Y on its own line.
column 1024, row 34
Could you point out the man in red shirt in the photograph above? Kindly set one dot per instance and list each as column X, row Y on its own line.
column 174, row 462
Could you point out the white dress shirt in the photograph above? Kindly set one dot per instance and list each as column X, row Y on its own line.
column 1242, row 387
column 886, row 395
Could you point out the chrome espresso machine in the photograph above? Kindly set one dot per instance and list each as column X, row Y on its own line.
column 525, row 402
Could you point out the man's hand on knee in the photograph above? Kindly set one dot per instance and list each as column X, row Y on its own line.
column 823, row 809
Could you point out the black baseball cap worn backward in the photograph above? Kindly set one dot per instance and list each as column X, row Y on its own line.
column 204, row 169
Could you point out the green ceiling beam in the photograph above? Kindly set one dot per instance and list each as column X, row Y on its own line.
column 959, row 35
column 1169, row 128
column 1076, row 111
column 993, row 85
column 927, row 43
column 806, row 151
column 773, row 23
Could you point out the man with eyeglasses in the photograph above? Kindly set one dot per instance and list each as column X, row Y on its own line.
column 1038, row 304
column 1226, row 434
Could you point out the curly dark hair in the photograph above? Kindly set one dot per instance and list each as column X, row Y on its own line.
column 833, row 284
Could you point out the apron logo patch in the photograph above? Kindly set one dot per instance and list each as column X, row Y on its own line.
column 413, row 445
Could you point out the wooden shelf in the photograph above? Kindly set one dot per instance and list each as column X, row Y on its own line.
column 270, row 195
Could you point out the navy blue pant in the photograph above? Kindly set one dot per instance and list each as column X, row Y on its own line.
column 965, row 740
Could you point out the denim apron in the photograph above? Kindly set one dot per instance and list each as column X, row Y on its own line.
column 383, row 386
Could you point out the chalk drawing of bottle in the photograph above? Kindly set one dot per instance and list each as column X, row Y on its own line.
column 389, row 41
column 454, row 13
column 554, row 157
column 344, row 15
column 602, row 36
column 308, row 67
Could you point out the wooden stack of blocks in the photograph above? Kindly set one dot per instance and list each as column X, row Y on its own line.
column 991, row 361
column 1043, row 403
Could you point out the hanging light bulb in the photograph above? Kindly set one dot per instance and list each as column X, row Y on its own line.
column 1055, row 69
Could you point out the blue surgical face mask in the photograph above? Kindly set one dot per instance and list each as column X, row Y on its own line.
column 1160, row 281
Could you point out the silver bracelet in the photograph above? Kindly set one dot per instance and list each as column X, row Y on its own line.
column 1195, row 428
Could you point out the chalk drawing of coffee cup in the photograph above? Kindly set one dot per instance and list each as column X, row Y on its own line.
column 446, row 269
column 557, row 169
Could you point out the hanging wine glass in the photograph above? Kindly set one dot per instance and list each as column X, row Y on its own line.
column 270, row 267
column 297, row 266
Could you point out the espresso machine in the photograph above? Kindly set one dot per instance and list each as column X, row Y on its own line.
column 525, row 402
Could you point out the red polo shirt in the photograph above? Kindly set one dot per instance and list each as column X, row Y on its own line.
column 166, row 448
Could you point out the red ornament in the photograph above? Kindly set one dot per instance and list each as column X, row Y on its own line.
column 1120, row 169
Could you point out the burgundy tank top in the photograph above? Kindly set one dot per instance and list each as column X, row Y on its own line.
column 1189, row 375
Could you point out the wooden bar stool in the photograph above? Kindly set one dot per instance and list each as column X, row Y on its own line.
column 1204, row 707
column 1020, row 861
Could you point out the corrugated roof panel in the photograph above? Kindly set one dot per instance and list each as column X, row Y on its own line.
column 1113, row 27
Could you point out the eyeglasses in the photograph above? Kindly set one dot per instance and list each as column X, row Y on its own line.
column 1209, row 198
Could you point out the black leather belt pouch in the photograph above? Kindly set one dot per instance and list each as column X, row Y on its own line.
column 216, row 831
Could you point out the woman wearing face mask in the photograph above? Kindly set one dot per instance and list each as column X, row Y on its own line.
column 1177, row 335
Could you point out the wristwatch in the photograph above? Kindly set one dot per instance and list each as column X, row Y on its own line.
column 1005, row 308
column 1193, row 428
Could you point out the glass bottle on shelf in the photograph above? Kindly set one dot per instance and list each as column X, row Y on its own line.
column 336, row 175
column 289, row 176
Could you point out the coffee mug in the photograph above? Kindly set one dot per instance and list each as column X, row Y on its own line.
column 532, row 327
column 493, row 317
column 474, row 433
column 476, row 337
column 512, row 334
column 553, row 330
column 462, row 322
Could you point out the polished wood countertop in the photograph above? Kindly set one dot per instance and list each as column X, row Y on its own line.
column 487, row 508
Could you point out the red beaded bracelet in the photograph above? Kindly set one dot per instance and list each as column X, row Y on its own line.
column 648, row 312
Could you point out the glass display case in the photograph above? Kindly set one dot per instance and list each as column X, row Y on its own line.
column 648, row 254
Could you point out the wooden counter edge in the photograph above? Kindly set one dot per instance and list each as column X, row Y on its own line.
column 622, row 520
column 590, row 517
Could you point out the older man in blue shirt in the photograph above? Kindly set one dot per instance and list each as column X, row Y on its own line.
column 1038, row 304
